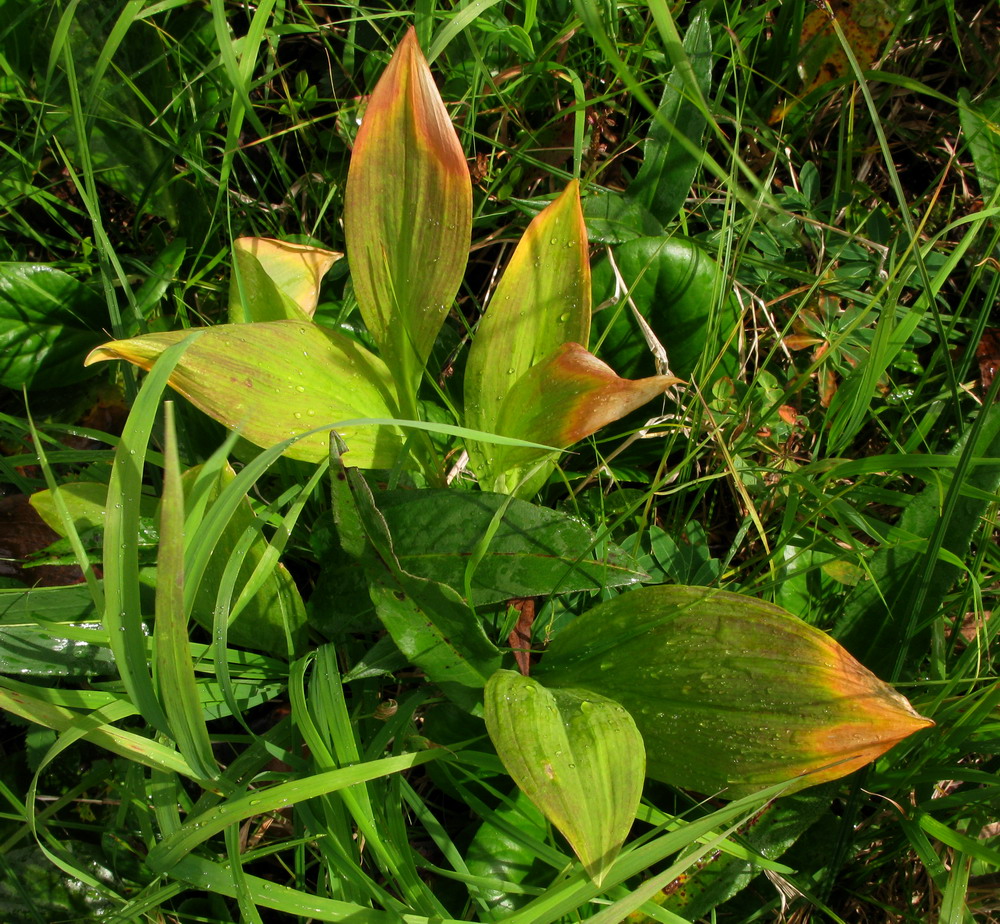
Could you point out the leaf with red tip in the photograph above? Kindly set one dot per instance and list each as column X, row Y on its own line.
column 407, row 212
column 277, row 379
column 562, row 399
column 275, row 280
column 730, row 693
column 578, row 757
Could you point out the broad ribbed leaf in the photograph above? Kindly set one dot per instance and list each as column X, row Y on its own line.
column 278, row 379
column 563, row 399
column 274, row 280
column 407, row 213
column 683, row 295
column 541, row 302
column 730, row 693
column 533, row 551
column 576, row 756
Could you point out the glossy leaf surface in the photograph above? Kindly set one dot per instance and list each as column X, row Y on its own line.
column 278, row 379
column 730, row 693
column 47, row 321
column 541, row 302
column 407, row 212
column 577, row 756
column 682, row 294
column 535, row 551
column 275, row 280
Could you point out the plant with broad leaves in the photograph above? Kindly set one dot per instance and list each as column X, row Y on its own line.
column 699, row 688
column 407, row 221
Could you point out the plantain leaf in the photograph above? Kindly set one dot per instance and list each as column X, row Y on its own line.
column 541, row 302
column 562, row 399
column 683, row 295
column 278, row 379
column 275, row 280
column 578, row 757
column 730, row 693
column 407, row 213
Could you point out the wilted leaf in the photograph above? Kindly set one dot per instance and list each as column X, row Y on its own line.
column 278, row 379
column 407, row 212
column 577, row 756
column 47, row 321
column 274, row 280
column 730, row 693
column 866, row 25
column 561, row 400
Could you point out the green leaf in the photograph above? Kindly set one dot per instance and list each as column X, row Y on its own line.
column 541, row 302
column 48, row 320
column 86, row 502
column 37, row 651
column 430, row 623
column 277, row 379
column 980, row 127
column 730, row 693
column 407, row 214
column 577, row 756
column 669, row 166
column 613, row 219
column 535, row 551
column 908, row 582
column 261, row 624
column 275, row 281
column 174, row 666
column 683, row 295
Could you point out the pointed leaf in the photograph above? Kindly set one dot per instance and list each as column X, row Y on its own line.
column 564, row 398
column 274, row 280
column 277, row 379
column 576, row 756
column 541, row 302
column 730, row 693
column 174, row 668
column 407, row 212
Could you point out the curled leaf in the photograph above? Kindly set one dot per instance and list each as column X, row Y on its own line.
column 407, row 212
column 276, row 280
column 730, row 693
column 278, row 379
column 563, row 399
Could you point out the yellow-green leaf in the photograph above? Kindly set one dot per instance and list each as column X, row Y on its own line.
column 577, row 756
column 275, row 280
column 730, row 693
column 279, row 379
column 407, row 213
column 561, row 400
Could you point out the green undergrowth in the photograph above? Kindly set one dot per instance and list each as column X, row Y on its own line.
column 836, row 451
